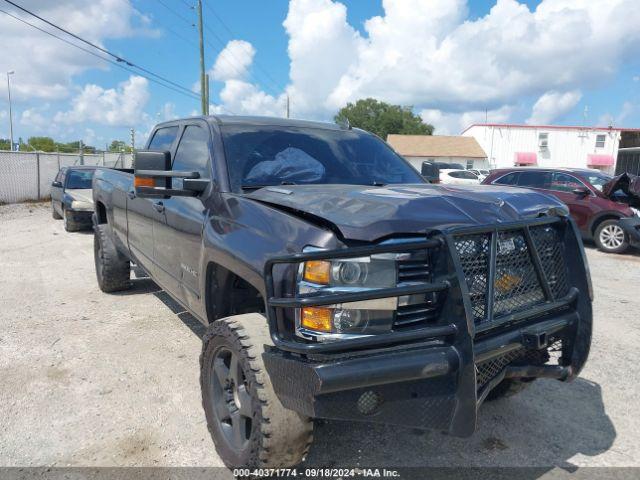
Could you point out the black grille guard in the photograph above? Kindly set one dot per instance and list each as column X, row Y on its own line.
column 451, row 279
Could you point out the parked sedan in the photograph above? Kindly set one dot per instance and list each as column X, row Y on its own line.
column 605, row 209
column 72, row 197
column 458, row 177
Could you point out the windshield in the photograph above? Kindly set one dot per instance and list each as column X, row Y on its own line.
column 276, row 155
column 78, row 179
column 597, row 179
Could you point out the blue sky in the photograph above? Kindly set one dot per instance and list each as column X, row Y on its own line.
column 534, row 61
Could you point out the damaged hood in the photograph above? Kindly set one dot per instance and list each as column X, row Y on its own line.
column 629, row 184
column 80, row 194
column 369, row 213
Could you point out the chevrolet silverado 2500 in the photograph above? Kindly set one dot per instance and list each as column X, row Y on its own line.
column 335, row 283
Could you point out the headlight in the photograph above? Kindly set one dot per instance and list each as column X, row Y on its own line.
column 333, row 322
column 365, row 272
column 79, row 205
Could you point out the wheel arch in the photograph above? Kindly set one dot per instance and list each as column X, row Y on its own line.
column 101, row 212
column 601, row 217
column 228, row 293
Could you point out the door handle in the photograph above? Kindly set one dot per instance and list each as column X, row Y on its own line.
column 158, row 206
column 131, row 194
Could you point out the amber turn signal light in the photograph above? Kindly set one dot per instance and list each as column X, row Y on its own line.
column 317, row 271
column 143, row 182
column 318, row 319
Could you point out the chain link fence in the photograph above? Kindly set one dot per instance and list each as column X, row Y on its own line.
column 28, row 175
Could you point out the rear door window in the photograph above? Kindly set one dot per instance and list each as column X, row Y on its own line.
column 163, row 139
column 535, row 180
column 508, row 179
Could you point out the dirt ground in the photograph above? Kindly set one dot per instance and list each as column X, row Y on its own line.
column 90, row 379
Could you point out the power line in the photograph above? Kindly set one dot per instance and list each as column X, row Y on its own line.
column 117, row 57
column 86, row 50
column 232, row 34
column 180, row 16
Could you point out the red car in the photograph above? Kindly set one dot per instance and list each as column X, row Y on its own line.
column 605, row 209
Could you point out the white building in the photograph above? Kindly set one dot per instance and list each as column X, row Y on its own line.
column 548, row 145
column 460, row 150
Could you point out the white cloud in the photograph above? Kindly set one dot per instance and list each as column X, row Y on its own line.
column 33, row 117
column 452, row 123
column 44, row 66
column 426, row 53
column 122, row 106
column 628, row 108
column 239, row 96
column 553, row 105
column 233, row 61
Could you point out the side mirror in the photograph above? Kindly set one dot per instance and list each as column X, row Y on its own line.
column 56, row 184
column 153, row 174
column 581, row 191
column 430, row 172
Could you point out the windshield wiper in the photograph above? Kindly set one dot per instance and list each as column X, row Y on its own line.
column 258, row 187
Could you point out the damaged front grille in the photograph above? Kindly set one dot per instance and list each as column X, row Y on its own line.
column 487, row 370
column 516, row 283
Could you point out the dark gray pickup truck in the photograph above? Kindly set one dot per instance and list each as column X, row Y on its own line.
column 337, row 284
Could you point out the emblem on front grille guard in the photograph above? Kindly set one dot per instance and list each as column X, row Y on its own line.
column 507, row 282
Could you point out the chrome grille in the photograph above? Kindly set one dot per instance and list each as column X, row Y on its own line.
column 415, row 311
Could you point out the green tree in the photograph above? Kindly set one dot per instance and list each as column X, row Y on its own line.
column 382, row 118
column 5, row 144
column 119, row 146
column 42, row 144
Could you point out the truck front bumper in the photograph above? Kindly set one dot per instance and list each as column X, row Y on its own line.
column 631, row 226
column 80, row 217
column 420, row 386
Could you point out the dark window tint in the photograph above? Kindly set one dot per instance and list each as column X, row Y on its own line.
column 163, row 139
column 273, row 155
column 79, row 179
column 564, row 183
column 192, row 154
column 534, row 179
column 509, row 179
column 464, row 174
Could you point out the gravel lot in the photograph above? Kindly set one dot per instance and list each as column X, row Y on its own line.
column 90, row 379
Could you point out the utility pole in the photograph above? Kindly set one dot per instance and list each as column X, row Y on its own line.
column 10, row 113
column 287, row 105
column 203, row 93
column 133, row 144
column 207, row 93
column 81, row 149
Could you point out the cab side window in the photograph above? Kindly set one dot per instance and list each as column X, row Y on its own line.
column 192, row 154
column 163, row 139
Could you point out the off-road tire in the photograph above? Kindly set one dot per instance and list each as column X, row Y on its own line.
column 70, row 225
column 113, row 270
column 278, row 437
column 605, row 242
column 54, row 214
column 508, row 388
